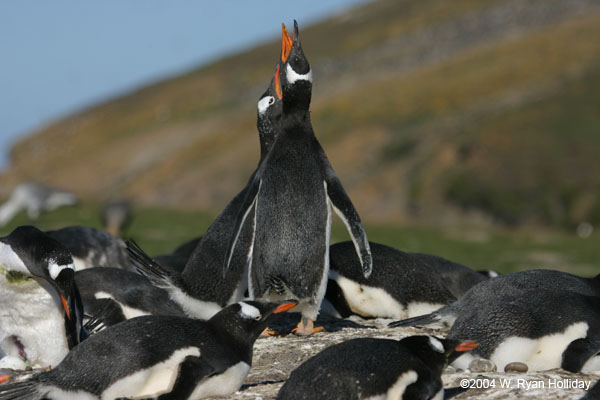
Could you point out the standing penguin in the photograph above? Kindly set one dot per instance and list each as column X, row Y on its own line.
column 42, row 313
column 369, row 368
column 156, row 355
column 288, row 205
column 201, row 289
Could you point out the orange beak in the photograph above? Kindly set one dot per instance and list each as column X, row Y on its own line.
column 285, row 306
column 286, row 44
column 4, row 378
column 278, row 83
column 466, row 346
column 65, row 306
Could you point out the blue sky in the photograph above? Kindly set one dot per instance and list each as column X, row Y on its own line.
column 60, row 56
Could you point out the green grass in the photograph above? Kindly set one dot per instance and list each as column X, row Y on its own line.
column 159, row 231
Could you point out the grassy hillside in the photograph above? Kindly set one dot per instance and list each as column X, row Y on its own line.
column 433, row 112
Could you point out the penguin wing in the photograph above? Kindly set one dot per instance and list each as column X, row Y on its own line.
column 345, row 210
column 249, row 203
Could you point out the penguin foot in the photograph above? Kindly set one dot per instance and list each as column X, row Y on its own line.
column 269, row 332
column 306, row 328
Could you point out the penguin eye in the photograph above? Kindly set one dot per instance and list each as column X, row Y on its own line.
column 271, row 100
column 257, row 318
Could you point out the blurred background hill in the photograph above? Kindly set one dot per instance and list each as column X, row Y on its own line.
column 432, row 112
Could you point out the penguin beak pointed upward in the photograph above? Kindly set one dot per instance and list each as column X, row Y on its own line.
column 278, row 90
column 286, row 44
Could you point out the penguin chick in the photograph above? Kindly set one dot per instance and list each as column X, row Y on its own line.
column 42, row 313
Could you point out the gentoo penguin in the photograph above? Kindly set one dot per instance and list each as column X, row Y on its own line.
column 144, row 356
column 132, row 295
column 42, row 315
column 116, row 216
column 543, row 328
column 201, row 289
column 369, row 368
column 92, row 247
column 403, row 285
column 288, row 206
column 505, row 284
column 34, row 198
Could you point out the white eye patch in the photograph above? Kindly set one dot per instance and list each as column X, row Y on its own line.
column 292, row 76
column 436, row 344
column 249, row 311
column 54, row 269
column 264, row 103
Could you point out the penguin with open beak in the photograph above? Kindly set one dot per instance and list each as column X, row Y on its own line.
column 42, row 312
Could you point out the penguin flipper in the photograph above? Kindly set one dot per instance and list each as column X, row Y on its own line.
column 148, row 267
column 192, row 370
column 577, row 353
column 344, row 208
column 246, row 207
column 22, row 390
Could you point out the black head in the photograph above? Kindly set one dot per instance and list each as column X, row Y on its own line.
column 28, row 253
column 268, row 118
column 245, row 320
column 436, row 351
column 296, row 78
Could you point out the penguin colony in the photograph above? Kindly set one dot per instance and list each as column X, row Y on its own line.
column 183, row 325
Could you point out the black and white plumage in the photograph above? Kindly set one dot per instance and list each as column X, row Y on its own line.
column 153, row 355
column 178, row 258
column 505, row 284
column 200, row 288
column 34, row 198
column 132, row 295
column 42, row 314
column 543, row 328
column 288, row 205
column 403, row 285
column 369, row 368
column 92, row 247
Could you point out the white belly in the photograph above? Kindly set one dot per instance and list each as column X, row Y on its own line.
column 35, row 316
column 223, row 384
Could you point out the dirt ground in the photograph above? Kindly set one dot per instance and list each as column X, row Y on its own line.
column 276, row 357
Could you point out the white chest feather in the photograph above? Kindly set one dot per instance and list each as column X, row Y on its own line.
column 32, row 313
column 152, row 381
column 194, row 308
column 397, row 389
column 539, row 354
column 370, row 301
column 222, row 384
column 128, row 312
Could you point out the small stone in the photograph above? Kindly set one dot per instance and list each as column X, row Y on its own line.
column 516, row 367
column 482, row 365
column 450, row 369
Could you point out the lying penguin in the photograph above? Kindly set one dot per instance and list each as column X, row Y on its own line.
column 479, row 295
column 154, row 355
column 403, row 285
column 369, row 368
column 42, row 313
column 543, row 328
column 92, row 247
column 128, row 293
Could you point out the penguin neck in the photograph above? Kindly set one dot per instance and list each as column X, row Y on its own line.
column 232, row 332
column 297, row 125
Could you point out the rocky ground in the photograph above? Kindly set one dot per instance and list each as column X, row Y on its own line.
column 276, row 357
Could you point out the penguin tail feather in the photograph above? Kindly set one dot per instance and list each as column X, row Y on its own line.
column 96, row 322
column 421, row 320
column 277, row 284
column 23, row 390
column 146, row 266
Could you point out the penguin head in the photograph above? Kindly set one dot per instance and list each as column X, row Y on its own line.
column 245, row 320
column 434, row 350
column 268, row 117
column 29, row 254
column 295, row 75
